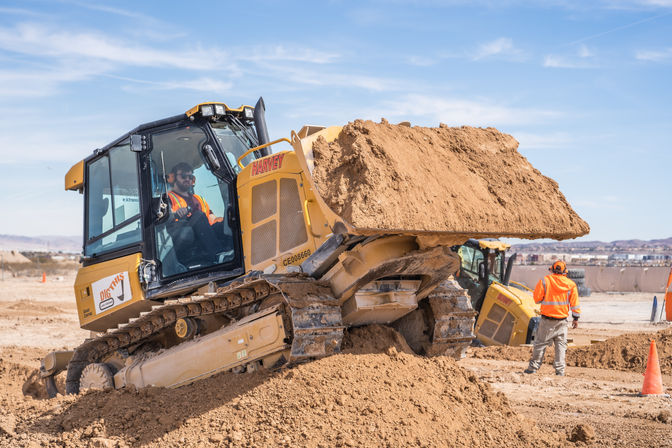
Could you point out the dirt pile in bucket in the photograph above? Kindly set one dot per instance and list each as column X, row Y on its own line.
column 626, row 352
column 358, row 398
column 465, row 181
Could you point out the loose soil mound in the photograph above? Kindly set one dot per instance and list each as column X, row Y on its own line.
column 374, row 339
column 372, row 399
column 507, row 353
column 466, row 181
column 625, row 352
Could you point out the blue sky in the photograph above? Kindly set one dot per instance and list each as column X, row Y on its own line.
column 584, row 86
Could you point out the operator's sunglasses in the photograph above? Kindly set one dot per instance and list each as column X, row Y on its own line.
column 186, row 176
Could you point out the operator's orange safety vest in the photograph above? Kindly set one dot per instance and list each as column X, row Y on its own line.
column 557, row 295
column 178, row 202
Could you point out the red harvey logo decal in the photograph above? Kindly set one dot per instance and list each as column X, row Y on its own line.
column 502, row 298
column 267, row 164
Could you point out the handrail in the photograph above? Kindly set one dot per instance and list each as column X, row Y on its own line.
column 246, row 153
column 521, row 285
column 307, row 215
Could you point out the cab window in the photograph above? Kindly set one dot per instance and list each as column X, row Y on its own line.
column 235, row 142
column 495, row 266
column 112, row 202
column 471, row 258
column 195, row 234
column 466, row 254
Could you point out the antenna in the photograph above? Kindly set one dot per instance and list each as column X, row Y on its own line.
column 162, row 205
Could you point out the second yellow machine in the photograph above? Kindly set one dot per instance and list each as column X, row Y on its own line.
column 507, row 314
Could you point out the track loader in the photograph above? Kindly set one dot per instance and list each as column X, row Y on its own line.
column 261, row 273
column 507, row 314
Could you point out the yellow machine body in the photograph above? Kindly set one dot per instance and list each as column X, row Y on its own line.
column 282, row 223
column 109, row 293
column 74, row 179
column 505, row 316
column 260, row 336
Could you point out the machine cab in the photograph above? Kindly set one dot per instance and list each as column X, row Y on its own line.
column 481, row 263
column 160, row 209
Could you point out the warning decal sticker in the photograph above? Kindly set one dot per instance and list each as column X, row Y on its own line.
column 111, row 291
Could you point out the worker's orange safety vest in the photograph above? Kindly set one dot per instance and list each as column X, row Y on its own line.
column 178, row 202
column 557, row 295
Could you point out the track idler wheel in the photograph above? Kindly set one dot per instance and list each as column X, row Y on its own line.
column 96, row 376
column 186, row 327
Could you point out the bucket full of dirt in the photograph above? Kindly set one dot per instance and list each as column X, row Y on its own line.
column 460, row 182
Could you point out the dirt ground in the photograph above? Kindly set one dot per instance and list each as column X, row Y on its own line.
column 373, row 395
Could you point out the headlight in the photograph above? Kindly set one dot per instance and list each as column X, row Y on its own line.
column 249, row 113
column 219, row 109
column 207, row 110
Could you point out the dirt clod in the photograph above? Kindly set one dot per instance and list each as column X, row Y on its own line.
column 7, row 424
column 582, row 433
column 465, row 181
column 664, row 417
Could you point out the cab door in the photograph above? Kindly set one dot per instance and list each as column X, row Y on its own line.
column 108, row 288
column 190, row 246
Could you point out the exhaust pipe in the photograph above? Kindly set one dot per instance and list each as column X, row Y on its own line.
column 260, row 125
column 509, row 268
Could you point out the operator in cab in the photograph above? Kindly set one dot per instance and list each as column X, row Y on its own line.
column 558, row 295
column 196, row 232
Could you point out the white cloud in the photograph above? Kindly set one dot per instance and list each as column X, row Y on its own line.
column 584, row 52
column 45, row 80
column 40, row 41
column 581, row 59
column 654, row 56
column 111, row 10
column 311, row 77
column 37, row 40
column 498, row 47
column 19, row 12
column 553, row 140
column 632, row 4
column 281, row 53
column 204, row 84
column 557, row 61
column 421, row 61
column 456, row 111
column 45, row 57
column 373, row 83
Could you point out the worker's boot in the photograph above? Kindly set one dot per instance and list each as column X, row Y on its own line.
column 529, row 371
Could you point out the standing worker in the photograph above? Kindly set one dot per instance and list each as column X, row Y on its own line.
column 557, row 295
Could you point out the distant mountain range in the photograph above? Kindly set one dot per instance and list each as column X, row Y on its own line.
column 73, row 244
column 628, row 246
column 47, row 243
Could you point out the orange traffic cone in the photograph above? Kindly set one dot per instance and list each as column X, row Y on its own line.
column 44, row 277
column 653, row 382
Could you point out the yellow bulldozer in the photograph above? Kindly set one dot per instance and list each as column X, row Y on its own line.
column 507, row 314
column 205, row 252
